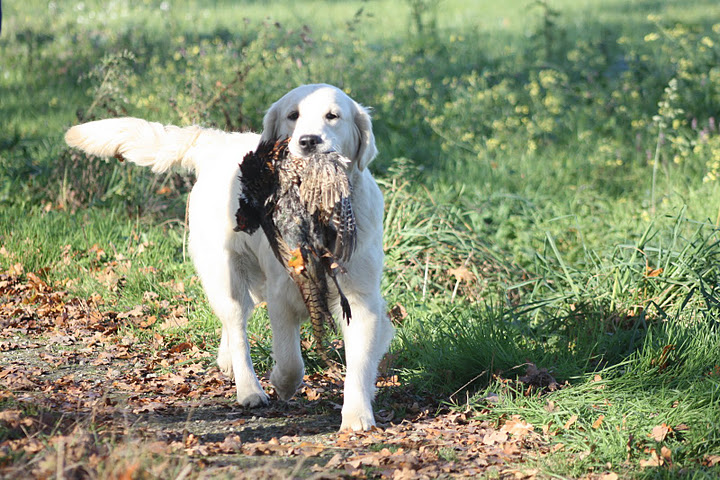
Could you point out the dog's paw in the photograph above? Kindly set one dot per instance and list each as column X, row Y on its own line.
column 357, row 422
column 224, row 362
column 253, row 400
column 286, row 384
column 287, row 392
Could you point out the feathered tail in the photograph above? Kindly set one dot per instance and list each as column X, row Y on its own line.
column 145, row 143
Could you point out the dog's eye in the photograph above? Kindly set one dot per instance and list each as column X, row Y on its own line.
column 330, row 116
column 293, row 116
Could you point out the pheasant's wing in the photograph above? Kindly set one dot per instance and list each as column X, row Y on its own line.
column 259, row 185
column 256, row 184
column 258, row 171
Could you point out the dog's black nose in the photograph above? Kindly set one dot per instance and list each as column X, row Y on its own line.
column 309, row 143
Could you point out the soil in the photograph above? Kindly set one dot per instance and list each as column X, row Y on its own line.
column 78, row 392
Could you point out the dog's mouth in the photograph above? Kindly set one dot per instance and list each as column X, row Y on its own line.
column 304, row 153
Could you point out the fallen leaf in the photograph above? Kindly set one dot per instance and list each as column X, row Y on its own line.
column 99, row 252
column 528, row 474
column 653, row 272
column 462, row 274
column 137, row 311
column 231, row 444
column 10, row 416
column 334, row 461
column 517, row 427
column 681, row 428
column 148, row 321
column 404, row 474
column 511, row 448
column 174, row 322
column 312, row 394
column 653, row 461
column 150, row 296
column 129, row 471
column 596, row 424
column 398, row 313
column 666, row 454
column 173, row 379
column 660, row 432
column 181, row 347
column 310, row 449
column 570, row 422
column 494, row 437
column 175, row 285
column 36, row 281
column 103, row 358
column 150, row 407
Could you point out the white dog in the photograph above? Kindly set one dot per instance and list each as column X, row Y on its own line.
column 239, row 270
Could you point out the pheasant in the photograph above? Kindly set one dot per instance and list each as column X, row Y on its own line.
column 303, row 205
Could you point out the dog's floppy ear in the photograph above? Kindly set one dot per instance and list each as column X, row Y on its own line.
column 367, row 150
column 270, row 129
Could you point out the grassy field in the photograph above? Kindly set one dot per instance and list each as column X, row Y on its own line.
column 551, row 174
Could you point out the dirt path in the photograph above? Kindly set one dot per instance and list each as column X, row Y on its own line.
column 82, row 397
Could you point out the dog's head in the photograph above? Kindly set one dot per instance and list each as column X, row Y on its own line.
column 322, row 118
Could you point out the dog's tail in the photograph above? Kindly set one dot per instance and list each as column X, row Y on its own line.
column 145, row 143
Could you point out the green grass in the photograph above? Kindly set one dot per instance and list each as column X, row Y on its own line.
column 551, row 192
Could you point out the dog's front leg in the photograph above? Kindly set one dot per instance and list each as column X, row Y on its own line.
column 367, row 338
column 230, row 299
column 286, row 312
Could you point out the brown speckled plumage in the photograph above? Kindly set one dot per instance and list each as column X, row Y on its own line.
column 303, row 205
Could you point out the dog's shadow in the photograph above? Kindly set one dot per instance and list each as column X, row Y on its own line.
column 213, row 423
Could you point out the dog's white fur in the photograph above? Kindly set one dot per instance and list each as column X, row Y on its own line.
column 239, row 270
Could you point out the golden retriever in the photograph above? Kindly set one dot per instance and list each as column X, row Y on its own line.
column 238, row 270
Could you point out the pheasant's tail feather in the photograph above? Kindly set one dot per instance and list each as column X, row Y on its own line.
column 345, row 305
column 332, row 268
column 315, row 297
column 317, row 322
